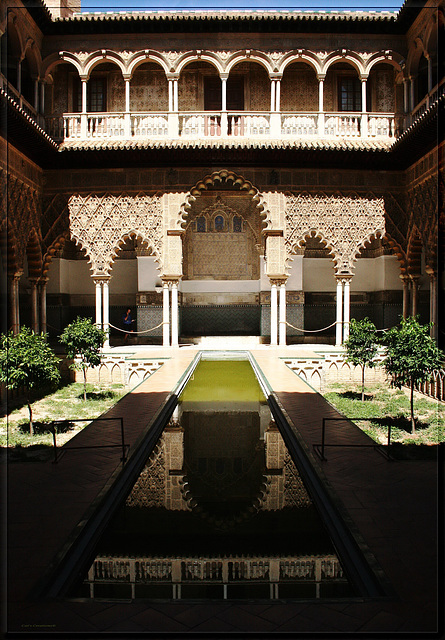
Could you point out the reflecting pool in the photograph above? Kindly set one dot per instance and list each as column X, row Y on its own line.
column 219, row 510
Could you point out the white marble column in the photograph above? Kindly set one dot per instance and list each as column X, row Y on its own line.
column 273, row 314
column 98, row 285
column 406, row 95
column 42, row 286
column 34, row 306
column 106, row 311
column 14, row 310
column 127, row 115
column 405, row 302
column 339, row 325
column 42, row 98
column 364, row 126
column 411, row 93
column 278, row 95
column 175, row 95
column 19, row 76
column 272, row 95
column 83, row 115
column 430, row 74
column 224, row 94
column 282, row 325
column 321, row 105
column 433, row 302
column 165, row 315
column 175, row 326
column 170, row 95
column 414, row 294
column 36, row 94
column 346, row 308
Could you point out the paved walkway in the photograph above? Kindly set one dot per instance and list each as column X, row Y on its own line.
column 392, row 505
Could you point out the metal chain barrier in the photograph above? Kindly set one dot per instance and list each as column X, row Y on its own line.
column 311, row 330
column 137, row 332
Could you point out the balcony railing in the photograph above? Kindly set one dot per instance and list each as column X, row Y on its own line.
column 220, row 124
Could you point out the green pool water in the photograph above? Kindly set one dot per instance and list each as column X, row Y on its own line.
column 221, row 381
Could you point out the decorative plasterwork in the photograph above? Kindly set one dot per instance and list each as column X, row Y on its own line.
column 225, row 176
column 23, row 205
column 99, row 224
column 344, row 223
column 275, row 62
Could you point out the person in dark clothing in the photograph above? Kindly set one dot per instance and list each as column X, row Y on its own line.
column 128, row 321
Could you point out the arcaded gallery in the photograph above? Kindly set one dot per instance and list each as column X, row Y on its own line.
column 268, row 174
column 241, row 184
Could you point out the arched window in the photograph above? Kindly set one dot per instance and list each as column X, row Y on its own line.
column 201, row 225
column 237, row 224
column 219, row 223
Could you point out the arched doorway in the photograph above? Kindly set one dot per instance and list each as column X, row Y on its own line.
column 222, row 255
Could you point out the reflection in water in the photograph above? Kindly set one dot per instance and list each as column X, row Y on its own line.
column 219, row 511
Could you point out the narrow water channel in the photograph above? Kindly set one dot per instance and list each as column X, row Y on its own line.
column 219, row 510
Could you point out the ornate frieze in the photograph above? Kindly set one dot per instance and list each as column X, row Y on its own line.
column 99, row 224
column 344, row 223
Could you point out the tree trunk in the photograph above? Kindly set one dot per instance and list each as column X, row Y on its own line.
column 84, row 384
column 31, row 426
column 363, row 382
column 413, row 421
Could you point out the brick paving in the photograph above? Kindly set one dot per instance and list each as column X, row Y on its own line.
column 393, row 507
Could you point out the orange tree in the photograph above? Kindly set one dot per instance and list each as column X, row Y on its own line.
column 83, row 341
column 27, row 362
column 411, row 356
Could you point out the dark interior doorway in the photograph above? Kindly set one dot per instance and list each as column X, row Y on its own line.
column 213, row 93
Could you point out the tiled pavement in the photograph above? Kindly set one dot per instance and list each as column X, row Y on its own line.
column 393, row 507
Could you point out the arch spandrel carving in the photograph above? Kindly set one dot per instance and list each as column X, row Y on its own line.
column 99, row 224
column 345, row 223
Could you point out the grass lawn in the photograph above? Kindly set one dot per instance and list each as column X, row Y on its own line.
column 385, row 406
column 65, row 403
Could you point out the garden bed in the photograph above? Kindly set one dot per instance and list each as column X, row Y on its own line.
column 385, row 406
column 65, row 404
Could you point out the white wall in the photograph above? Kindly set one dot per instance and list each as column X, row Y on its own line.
column 220, row 286
column 74, row 277
column 318, row 275
column 124, row 277
column 295, row 270
column 370, row 274
column 376, row 274
column 148, row 274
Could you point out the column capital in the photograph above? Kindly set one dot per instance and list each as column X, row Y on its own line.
column 278, row 280
column 170, row 280
column 101, row 279
column 431, row 272
column 343, row 277
column 321, row 77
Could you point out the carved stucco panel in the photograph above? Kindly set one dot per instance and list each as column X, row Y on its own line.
column 344, row 223
column 275, row 204
column 100, row 223
column 275, row 256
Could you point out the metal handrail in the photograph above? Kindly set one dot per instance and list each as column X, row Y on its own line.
column 98, row 446
column 320, row 448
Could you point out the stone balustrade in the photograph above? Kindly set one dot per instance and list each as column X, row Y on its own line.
column 314, row 568
column 222, row 124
